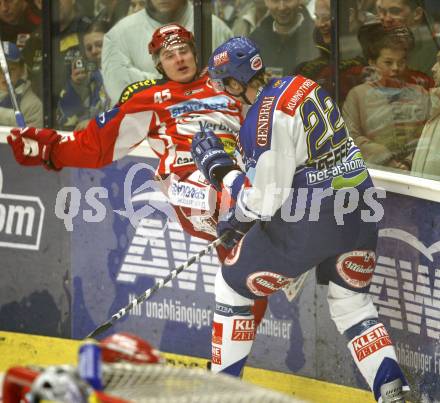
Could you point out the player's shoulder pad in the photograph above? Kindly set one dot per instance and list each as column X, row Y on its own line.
column 136, row 87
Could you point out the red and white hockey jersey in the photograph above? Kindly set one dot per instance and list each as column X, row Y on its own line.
column 167, row 114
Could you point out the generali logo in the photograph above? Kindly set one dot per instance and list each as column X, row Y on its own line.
column 21, row 220
column 264, row 119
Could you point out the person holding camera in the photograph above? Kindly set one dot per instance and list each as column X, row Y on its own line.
column 84, row 96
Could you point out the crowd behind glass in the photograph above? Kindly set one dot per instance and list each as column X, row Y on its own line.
column 389, row 62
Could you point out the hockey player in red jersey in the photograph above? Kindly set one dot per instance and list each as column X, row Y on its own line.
column 165, row 112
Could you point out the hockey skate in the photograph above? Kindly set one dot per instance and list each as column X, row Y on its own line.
column 392, row 392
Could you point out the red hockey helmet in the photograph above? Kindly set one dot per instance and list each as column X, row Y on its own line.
column 169, row 35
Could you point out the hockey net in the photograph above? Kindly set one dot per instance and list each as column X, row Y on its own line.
column 158, row 383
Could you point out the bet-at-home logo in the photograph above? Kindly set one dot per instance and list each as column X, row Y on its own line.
column 21, row 220
column 407, row 292
column 154, row 252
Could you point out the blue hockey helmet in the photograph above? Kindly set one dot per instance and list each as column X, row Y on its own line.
column 238, row 58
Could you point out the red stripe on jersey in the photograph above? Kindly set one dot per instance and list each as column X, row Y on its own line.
column 295, row 94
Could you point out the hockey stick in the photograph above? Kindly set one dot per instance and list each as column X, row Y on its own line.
column 29, row 145
column 159, row 284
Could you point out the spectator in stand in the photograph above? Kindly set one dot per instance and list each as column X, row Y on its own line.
column 110, row 11
column 436, row 27
column 367, row 5
column 226, row 10
column 33, row 58
column 411, row 14
column 309, row 5
column 323, row 25
column 18, row 19
column 135, row 6
column 321, row 68
column 374, row 32
column 285, row 36
column 30, row 104
column 352, row 70
column 66, row 47
column 68, row 28
column 426, row 162
column 249, row 17
column 84, row 95
column 360, row 12
column 124, row 59
column 385, row 115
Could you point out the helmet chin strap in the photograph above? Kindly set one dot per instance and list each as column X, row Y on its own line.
column 246, row 99
column 242, row 94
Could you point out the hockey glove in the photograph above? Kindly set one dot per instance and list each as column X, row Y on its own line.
column 234, row 227
column 43, row 142
column 210, row 157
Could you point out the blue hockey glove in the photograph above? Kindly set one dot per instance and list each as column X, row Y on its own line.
column 210, row 157
column 234, row 227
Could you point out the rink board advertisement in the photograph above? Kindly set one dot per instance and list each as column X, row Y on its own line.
column 34, row 251
column 406, row 287
column 112, row 261
column 115, row 258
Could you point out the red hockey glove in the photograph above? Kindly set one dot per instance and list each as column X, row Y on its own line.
column 37, row 149
column 126, row 347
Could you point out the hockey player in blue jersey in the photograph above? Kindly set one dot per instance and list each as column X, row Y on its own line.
column 305, row 200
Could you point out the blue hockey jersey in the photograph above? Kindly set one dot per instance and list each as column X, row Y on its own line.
column 294, row 137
